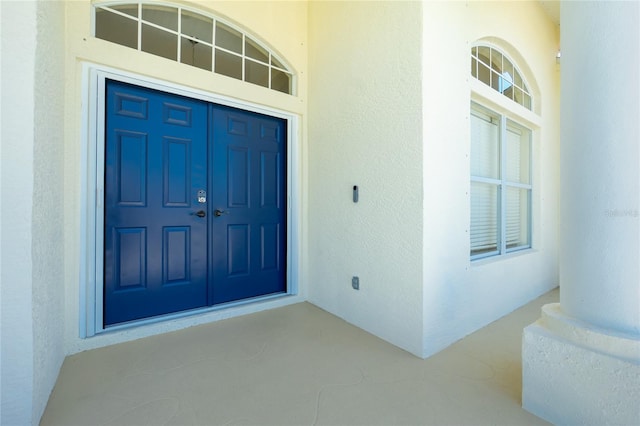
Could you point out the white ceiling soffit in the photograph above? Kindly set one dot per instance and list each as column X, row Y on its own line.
column 552, row 8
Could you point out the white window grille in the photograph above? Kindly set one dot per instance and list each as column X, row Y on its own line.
column 192, row 38
column 501, row 184
column 493, row 68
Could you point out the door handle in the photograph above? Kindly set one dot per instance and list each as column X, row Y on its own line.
column 200, row 213
column 219, row 212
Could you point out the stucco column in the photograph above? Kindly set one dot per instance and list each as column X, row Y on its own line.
column 581, row 360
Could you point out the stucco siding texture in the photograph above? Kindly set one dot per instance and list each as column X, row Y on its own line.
column 48, row 203
column 17, row 167
column 461, row 295
column 365, row 130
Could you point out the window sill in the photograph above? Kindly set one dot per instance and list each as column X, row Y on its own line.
column 501, row 257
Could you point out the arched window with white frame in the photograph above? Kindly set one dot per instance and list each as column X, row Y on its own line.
column 494, row 68
column 501, row 158
column 192, row 38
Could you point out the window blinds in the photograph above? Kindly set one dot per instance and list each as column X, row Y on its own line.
column 500, row 198
column 485, row 174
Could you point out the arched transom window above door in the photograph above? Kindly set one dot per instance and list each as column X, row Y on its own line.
column 493, row 68
column 193, row 38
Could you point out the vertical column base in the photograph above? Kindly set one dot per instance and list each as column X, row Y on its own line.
column 576, row 374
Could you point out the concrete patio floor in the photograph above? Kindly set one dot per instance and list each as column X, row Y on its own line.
column 296, row 365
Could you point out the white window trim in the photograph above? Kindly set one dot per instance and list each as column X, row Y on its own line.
column 288, row 69
column 92, row 191
column 516, row 68
column 489, row 98
column 502, row 183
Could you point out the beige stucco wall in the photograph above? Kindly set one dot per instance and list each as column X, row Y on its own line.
column 31, row 165
column 282, row 25
column 385, row 113
column 383, row 103
column 365, row 129
column 16, row 212
column 389, row 102
column 461, row 296
column 48, row 204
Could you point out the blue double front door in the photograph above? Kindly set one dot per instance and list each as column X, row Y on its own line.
column 195, row 204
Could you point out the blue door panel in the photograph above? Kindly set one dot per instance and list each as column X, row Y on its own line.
column 131, row 254
column 177, row 172
column 238, row 256
column 155, row 254
column 270, row 246
column 248, row 238
column 238, row 178
column 160, row 256
column 130, row 168
column 176, row 256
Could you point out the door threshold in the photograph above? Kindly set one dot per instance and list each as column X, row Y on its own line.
column 200, row 311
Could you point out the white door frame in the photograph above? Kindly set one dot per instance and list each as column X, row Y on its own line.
column 92, row 195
